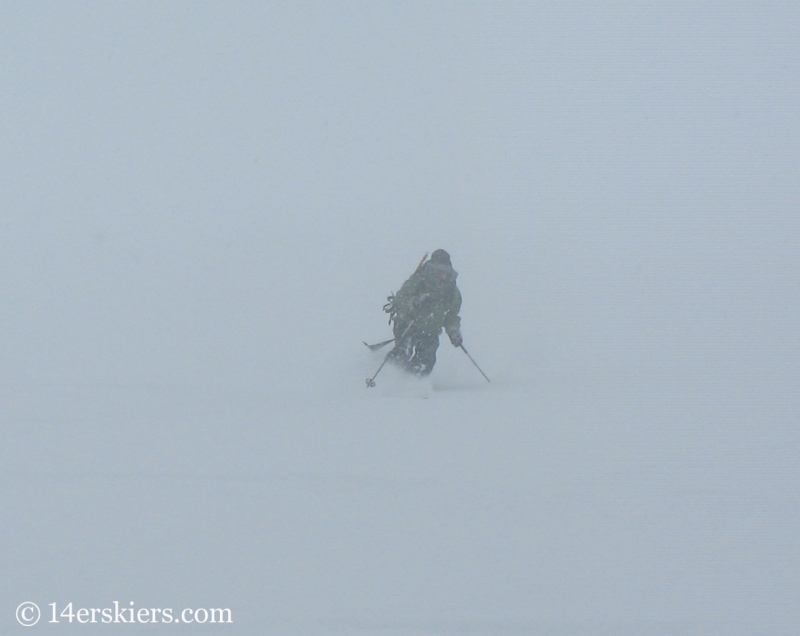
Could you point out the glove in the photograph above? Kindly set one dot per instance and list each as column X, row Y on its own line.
column 457, row 339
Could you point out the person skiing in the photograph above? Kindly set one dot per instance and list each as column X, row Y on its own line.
column 427, row 302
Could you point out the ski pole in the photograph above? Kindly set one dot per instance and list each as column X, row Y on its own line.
column 471, row 360
column 371, row 381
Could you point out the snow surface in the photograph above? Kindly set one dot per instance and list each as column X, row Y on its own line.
column 202, row 209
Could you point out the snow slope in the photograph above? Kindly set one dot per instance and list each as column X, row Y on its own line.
column 202, row 211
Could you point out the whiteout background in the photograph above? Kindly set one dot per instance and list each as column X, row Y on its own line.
column 202, row 209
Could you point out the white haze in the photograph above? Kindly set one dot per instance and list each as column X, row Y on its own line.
column 202, row 209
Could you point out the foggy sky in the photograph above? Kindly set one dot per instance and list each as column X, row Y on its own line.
column 185, row 186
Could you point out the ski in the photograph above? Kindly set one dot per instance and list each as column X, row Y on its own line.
column 379, row 345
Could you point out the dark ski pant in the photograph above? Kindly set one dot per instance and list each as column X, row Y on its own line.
column 415, row 353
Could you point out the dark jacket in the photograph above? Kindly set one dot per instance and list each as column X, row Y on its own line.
column 431, row 299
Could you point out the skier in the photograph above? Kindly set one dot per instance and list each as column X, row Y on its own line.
column 427, row 302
